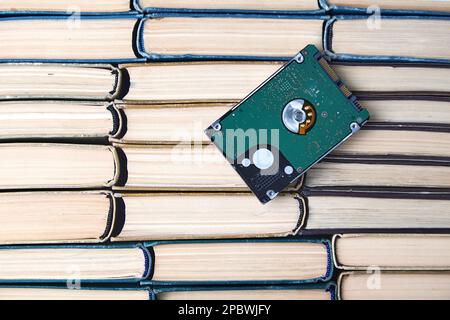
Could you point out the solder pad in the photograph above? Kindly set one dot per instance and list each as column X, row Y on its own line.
column 289, row 123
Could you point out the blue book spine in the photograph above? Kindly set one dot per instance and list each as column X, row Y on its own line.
column 325, row 278
column 188, row 57
column 343, row 57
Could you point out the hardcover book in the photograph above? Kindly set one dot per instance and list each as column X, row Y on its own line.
column 235, row 6
column 212, row 262
column 56, row 217
column 392, row 251
column 9, row 292
column 59, row 81
column 333, row 210
column 41, row 119
column 55, row 38
column 274, row 292
column 395, row 7
column 27, row 7
column 209, row 37
column 394, row 286
column 388, row 39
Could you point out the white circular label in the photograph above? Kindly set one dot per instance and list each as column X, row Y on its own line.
column 263, row 159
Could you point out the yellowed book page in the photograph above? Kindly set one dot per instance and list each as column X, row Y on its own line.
column 246, row 261
column 71, row 294
column 72, row 263
column 67, row 39
column 50, row 119
column 35, row 165
column 232, row 4
column 408, row 111
column 207, row 215
column 395, row 286
column 388, row 251
column 69, row 6
column 230, row 36
column 376, row 213
column 363, row 78
column 215, row 81
column 180, row 167
column 394, row 37
column 328, row 173
column 280, row 294
column 56, row 81
column 170, row 123
column 434, row 5
column 53, row 216
column 397, row 142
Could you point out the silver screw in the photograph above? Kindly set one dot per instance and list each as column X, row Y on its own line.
column 299, row 58
column 288, row 170
column 216, row 126
column 271, row 194
column 354, row 127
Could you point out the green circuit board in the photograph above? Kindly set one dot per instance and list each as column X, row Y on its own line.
column 288, row 124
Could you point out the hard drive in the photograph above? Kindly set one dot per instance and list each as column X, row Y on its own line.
column 289, row 123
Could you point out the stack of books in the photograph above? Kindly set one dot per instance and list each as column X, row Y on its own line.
column 110, row 190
